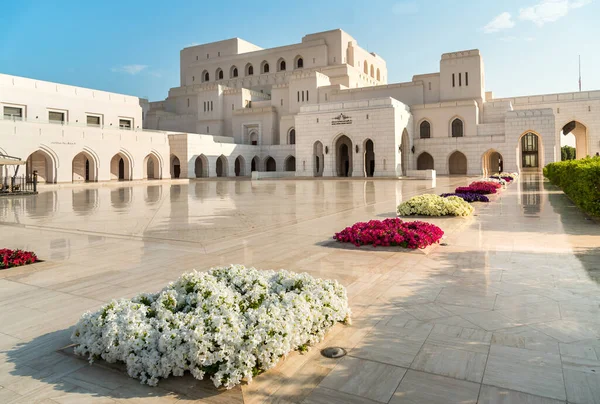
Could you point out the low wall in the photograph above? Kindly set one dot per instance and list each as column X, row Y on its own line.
column 421, row 174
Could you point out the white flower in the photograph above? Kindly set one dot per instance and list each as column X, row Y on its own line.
column 230, row 323
column 435, row 205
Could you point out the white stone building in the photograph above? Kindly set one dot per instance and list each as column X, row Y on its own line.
column 321, row 107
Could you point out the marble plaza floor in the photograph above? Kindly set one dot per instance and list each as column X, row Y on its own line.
column 507, row 312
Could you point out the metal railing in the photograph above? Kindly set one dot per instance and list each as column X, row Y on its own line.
column 22, row 184
column 12, row 118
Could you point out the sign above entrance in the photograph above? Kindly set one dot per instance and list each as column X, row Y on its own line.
column 341, row 119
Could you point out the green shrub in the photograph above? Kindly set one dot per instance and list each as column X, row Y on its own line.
column 580, row 180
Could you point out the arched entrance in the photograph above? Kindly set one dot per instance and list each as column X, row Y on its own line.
column 425, row 161
column 201, row 166
column 492, row 162
column 575, row 134
column 254, row 164
column 270, row 164
column 120, row 167
column 240, row 166
column 319, row 159
column 42, row 163
column 175, row 167
column 343, row 156
column 457, row 164
column 404, row 147
column 290, row 163
column 222, row 166
column 369, row 158
column 530, row 153
column 84, row 168
column 152, row 167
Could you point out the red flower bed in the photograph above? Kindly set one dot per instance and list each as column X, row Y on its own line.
column 479, row 187
column 16, row 258
column 391, row 232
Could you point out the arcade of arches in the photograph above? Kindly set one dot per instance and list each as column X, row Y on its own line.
column 120, row 167
column 492, row 162
column 290, row 163
column 343, row 156
column 240, row 164
column 270, row 164
column 41, row 162
column 152, row 167
column 319, row 159
column 580, row 132
column 425, row 161
column 222, row 166
column 369, row 158
column 84, row 168
column 201, row 166
column 457, row 164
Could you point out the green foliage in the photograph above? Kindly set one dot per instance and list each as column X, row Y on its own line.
column 580, row 180
column 567, row 153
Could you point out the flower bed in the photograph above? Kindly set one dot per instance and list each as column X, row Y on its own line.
column 469, row 197
column 479, row 187
column 16, row 258
column 434, row 205
column 229, row 323
column 391, row 232
column 498, row 180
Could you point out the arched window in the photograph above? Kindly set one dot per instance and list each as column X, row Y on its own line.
column 425, row 130
column 378, row 75
column 249, row 70
column 219, row 74
column 425, row 161
column 265, row 67
column 281, row 65
column 366, row 67
column 457, row 128
column 299, row 63
column 233, row 72
column 205, row 76
column 372, row 71
column 292, row 136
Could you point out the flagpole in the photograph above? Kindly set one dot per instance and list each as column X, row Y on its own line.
column 579, row 73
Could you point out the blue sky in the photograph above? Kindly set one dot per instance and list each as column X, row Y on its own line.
column 132, row 47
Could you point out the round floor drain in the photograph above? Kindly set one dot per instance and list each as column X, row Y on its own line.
column 333, row 352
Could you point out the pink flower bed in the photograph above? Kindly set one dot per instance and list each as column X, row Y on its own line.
column 391, row 232
column 16, row 258
column 479, row 187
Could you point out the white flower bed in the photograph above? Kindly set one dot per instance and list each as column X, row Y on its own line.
column 229, row 323
column 496, row 180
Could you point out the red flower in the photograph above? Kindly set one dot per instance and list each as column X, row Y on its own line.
column 15, row 258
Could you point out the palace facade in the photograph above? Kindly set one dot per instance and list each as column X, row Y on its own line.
column 321, row 107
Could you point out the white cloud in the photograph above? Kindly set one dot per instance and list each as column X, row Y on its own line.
column 129, row 69
column 550, row 10
column 516, row 38
column 405, row 8
column 500, row 22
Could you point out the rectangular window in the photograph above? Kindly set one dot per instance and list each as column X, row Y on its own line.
column 466, row 78
column 298, row 96
column 14, row 113
column 302, row 96
column 430, row 86
column 232, row 107
column 211, row 106
column 453, row 80
column 218, row 53
column 207, row 129
column 306, row 95
column 188, row 102
column 207, row 55
column 282, row 102
column 56, row 117
column 93, row 120
column 460, row 79
column 325, row 96
column 125, row 124
column 314, row 59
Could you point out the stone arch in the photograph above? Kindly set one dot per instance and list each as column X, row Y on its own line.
column 205, row 76
column 457, row 127
column 84, row 167
column 343, row 154
column 369, row 158
column 43, row 163
column 281, row 65
column 530, row 151
column 457, row 163
column 264, row 67
column 581, row 133
column 249, row 69
column 270, row 164
column 253, row 138
column 255, row 164
column 152, row 167
column 366, row 67
column 222, row 166
column 121, row 167
column 290, row 163
column 233, row 72
column 240, row 166
column 175, row 164
column 372, row 71
column 201, row 166
column 492, row 162
column 318, row 158
column 378, row 74
column 404, row 149
column 298, row 62
column 425, row 162
column 219, row 74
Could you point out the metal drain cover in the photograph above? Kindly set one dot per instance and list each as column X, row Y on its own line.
column 333, row 352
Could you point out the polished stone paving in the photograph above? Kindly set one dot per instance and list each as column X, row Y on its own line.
column 507, row 312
